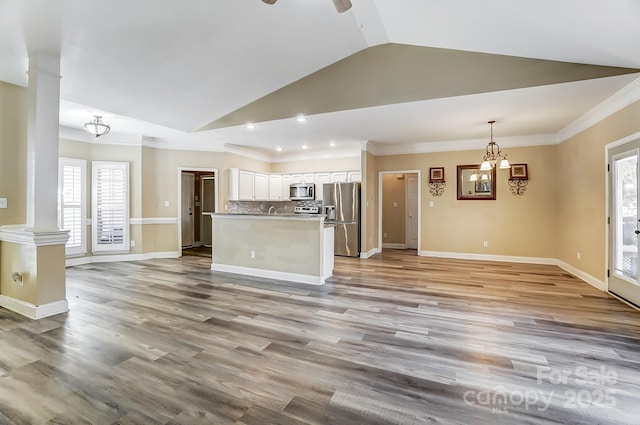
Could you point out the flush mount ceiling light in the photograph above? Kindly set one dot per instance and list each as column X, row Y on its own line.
column 97, row 127
column 493, row 154
column 250, row 126
column 341, row 5
column 301, row 118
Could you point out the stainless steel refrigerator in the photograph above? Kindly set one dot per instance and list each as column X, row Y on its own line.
column 342, row 208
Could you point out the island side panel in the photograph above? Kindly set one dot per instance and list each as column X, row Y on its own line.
column 282, row 245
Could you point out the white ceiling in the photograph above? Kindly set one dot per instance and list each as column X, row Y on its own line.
column 164, row 68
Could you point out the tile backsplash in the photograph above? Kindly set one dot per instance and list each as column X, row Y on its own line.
column 262, row 207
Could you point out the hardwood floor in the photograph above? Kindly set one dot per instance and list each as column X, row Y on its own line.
column 394, row 339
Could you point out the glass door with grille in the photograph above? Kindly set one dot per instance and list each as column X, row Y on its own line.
column 624, row 230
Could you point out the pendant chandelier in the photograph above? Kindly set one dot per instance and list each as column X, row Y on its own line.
column 493, row 154
column 97, row 127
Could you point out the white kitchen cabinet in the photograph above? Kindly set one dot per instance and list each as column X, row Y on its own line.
column 286, row 182
column 248, row 186
column 308, row 178
column 339, row 177
column 240, row 185
column 245, row 185
column 296, row 178
column 355, row 177
column 275, row 187
column 261, row 187
column 320, row 180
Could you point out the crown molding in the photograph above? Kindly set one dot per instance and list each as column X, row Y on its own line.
column 318, row 155
column 199, row 144
column 247, row 152
column 78, row 135
column 461, row 145
column 617, row 101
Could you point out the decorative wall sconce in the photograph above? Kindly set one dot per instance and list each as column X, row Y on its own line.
column 436, row 181
column 518, row 179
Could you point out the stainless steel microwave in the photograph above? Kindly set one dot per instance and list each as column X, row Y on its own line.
column 302, row 191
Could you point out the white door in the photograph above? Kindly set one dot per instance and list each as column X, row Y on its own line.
column 412, row 211
column 187, row 205
column 624, row 228
column 208, row 197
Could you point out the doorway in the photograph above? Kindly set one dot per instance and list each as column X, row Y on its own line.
column 399, row 210
column 624, row 231
column 198, row 200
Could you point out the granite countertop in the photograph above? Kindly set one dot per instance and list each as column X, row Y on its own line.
column 274, row 216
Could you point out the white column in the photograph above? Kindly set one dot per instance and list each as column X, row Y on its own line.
column 42, row 141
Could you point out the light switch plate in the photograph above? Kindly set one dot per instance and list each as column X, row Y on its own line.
column 3, row 202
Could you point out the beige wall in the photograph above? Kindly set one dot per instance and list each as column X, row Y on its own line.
column 513, row 225
column 312, row 166
column 393, row 208
column 581, row 218
column 118, row 153
column 42, row 269
column 369, row 203
column 13, row 153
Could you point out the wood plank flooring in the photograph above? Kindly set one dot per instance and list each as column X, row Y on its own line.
column 394, row 339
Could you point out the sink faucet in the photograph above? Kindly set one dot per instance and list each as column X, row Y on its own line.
column 274, row 209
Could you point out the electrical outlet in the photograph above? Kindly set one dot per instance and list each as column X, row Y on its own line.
column 431, row 204
column 384, row 235
column 395, row 205
column 578, row 255
column 253, row 254
column 133, row 243
column 166, row 203
column 485, row 243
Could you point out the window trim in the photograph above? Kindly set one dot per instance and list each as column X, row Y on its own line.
column 119, row 248
column 82, row 164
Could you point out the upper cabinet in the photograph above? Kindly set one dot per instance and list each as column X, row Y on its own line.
column 247, row 185
column 276, row 188
column 261, row 187
column 320, row 180
column 339, row 177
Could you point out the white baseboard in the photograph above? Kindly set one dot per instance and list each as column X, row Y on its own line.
column 394, row 245
column 370, row 252
column 32, row 311
column 120, row 257
column 270, row 274
column 596, row 283
column 488, row 257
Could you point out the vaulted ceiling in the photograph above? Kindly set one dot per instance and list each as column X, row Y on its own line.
column 395, row 72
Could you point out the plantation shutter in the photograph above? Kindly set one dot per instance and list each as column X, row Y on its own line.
column 110, row 206
column 71, row 205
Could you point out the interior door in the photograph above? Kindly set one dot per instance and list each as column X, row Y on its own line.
column 412, row 211
column 208, row 197
column 624, row 229
column 187, row 205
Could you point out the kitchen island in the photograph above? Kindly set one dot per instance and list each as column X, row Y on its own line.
column 292, row 247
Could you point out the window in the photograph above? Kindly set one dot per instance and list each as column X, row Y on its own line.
column 110, row 206
column 72, row 210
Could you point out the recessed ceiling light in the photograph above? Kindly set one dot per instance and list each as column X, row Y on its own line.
column 332, row 144
column 304, row 146
column 301, row 118
column 279, row 149
column 251, row 126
